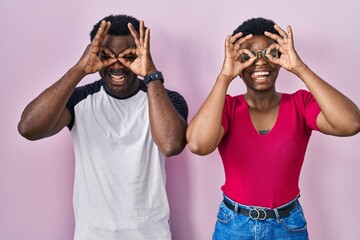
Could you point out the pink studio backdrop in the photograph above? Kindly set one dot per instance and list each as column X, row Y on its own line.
column 41, row 40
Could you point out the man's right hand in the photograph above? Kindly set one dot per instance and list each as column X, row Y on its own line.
column 90, row 62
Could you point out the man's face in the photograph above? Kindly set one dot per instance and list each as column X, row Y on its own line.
column 119, row 81
column 262, row 74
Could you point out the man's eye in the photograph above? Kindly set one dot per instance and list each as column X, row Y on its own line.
column 130, row 57
column 103, row 57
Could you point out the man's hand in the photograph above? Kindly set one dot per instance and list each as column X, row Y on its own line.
column 138, row 59
column 90, row 61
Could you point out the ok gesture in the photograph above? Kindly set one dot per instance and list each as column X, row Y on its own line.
column 142, row 64
column 289, row 58
column 90, row 61
column 233, row 65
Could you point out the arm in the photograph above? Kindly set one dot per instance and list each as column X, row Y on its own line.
column 46, row 115
column 167, row 125
column 339, row 116
column 205, row 131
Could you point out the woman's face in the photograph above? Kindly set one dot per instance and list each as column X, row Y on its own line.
column 262, row 74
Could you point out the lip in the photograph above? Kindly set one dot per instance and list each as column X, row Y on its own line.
column 117, row 78
column 260, row 75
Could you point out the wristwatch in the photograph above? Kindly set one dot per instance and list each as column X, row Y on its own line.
column 153, row 76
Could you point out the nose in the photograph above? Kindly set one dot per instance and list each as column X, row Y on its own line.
column 117, row 65
column 260, row 60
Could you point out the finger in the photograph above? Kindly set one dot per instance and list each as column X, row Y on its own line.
column 274, row 36
column 242, row 41
column 108, row 62
column 99, row 33
column 282, row 33
column 269, row 56
column 127, row 51
column 124, row 61
column 290, row 33
column 106, row 29
column 147, row 39
column 227, row 44
column 142, row 35
column 249, row 58
column 108, row 52
column 134, row 33
column 234, row 38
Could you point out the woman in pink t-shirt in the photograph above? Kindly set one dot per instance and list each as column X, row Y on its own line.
column 262, row 135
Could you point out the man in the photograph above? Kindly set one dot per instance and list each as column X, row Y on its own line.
column 262, row 135
column 122, row 129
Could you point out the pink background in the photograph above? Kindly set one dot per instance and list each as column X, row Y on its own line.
column 41, row 40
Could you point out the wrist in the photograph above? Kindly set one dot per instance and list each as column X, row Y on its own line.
column 153, row 76
column 225, row 78
column 78, row 71
column 300, row 69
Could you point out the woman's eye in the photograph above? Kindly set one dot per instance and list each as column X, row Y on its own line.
column 245, row 57
column 274, row 53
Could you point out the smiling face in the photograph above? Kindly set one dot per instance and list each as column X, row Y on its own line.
column 118, row 80
column 261, row 75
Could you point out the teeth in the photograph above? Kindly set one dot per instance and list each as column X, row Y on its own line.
column 261, row 73
column 118, row 78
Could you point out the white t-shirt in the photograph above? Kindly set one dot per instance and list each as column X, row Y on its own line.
column 119, row 188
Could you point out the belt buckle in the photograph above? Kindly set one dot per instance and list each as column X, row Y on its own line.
column 258, row 214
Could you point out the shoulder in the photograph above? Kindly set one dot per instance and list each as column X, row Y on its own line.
column 302, row 97
column 235, row 101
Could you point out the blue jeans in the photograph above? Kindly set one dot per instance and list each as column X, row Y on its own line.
column 231, row 226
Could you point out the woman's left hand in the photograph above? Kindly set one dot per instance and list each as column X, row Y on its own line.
column 289, row 59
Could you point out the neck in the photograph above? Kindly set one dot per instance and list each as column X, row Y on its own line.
column 262, row 100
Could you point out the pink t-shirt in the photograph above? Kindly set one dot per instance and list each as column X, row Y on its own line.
column 263, row 170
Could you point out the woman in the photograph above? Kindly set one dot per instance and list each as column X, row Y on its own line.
column 262, row 135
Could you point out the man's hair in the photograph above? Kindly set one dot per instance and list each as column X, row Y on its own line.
column 256, row 26
column 119, row 25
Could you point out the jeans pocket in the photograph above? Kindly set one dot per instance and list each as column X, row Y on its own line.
column 225, row 215
column 296, row 221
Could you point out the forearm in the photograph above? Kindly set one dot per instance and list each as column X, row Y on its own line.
column 167, row 125
column 339, row 111
column 42, row 114
column 205, row 131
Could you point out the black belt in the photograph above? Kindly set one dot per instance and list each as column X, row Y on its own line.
column 260, row 213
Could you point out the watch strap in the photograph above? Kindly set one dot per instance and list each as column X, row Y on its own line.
column 153, row 76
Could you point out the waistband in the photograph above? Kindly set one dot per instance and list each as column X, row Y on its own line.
column 257, row 213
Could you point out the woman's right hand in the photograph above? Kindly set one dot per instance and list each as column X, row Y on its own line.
column 233, row 64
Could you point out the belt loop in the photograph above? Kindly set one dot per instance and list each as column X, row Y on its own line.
column 236, row 207
column 278, row 219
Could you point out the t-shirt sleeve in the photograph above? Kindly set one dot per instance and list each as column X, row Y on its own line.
column 312, row 110
column 179, row 103
column 70, row 106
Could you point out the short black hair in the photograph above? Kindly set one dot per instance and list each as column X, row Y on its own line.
column 256, row 26
column 119, row 25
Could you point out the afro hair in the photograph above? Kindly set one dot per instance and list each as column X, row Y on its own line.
column 119, row 25
column 256, row 26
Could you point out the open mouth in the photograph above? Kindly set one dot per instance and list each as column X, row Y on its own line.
column 260, row 75
column 118, row 78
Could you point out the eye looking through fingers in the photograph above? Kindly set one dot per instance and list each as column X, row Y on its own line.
column 273, row 52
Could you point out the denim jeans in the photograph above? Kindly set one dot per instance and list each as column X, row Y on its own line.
column 231, row 226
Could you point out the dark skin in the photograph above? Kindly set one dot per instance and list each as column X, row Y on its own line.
column 339, row 116
column 122, row 59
